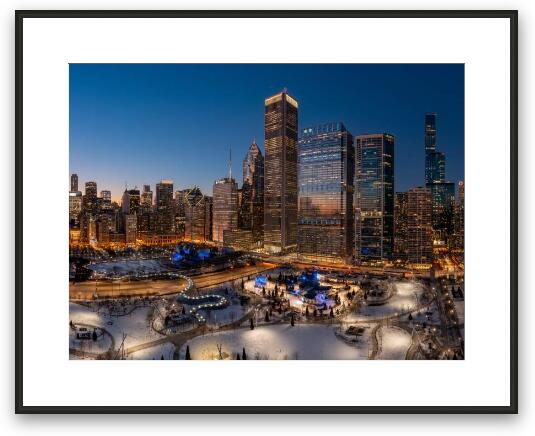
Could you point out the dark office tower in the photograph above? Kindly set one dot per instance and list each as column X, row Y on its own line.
column 434, row 160
column 443, row 206
column 146, row 196
column 195, row 215
column 225, row 208
column 436, row 167
column 90, row 199
column 374, row 199
column 280, row 173
column 131, row 201
column 164, row 208
column 74, row 182
column 326, row 169
column 400, row 226
column 419, row 226
column 430, row 132
column 251, row 215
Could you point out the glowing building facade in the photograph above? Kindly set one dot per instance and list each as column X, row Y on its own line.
column 419, row 226
column 326, row 167
column 280, row 173
column 225, row 208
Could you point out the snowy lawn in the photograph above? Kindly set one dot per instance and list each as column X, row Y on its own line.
column 393, row 343
column 404, row 298
column 275, row 342
column 135, row 325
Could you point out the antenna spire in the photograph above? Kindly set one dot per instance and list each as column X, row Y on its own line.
column 230, row 163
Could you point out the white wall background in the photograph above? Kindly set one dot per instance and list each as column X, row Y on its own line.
column 133, row 425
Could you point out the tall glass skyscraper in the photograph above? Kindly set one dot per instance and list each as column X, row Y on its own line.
column 326, row 164
column 251, row 216
column 435, row 161
column 225, row 208
column 196, row 224
column 165, row 208
column 374, row 199
column 280, row 173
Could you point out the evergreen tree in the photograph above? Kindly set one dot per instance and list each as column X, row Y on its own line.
column 183, row 310
column 266, row 318
column 292, row 322
column 410, row 316
column 188, row 356
column 263, row 292
column 161, row 358
column 331, row 314
column 237, row 356
column 251, row 324
column 306, row 312
column 243, row 355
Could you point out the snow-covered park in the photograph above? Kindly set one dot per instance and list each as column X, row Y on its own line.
column 278, row 342
column 405, row 297
column 136, row 325
column 393, row 343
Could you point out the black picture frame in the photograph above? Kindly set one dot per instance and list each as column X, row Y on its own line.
column 512, row 15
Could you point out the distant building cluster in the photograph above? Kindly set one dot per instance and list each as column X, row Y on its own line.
column 318, row 192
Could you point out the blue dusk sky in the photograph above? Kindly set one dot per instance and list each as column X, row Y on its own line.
column 137, row 124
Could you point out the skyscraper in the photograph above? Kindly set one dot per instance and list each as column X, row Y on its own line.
column 105, row 197
column 225, row 208
column 164, row 208
column 374, row 197
column 326, row 168
column 419, row 225
column 90, row 199
column 146, row 196
column 195, row 215
column 400, row 226
column 74, row 182
column 251, row 213
column 443, row 207
column 75, row 208
column 280, row 173
column 130, row 201
column 442, row 192
column 458, row 242
column 430, row 144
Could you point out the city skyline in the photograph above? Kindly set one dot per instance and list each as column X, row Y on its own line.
column 115, row 120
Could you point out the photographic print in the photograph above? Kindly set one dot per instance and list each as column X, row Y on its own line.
column 266, row 212
column 266, row 196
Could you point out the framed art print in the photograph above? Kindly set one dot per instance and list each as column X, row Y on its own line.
column 319, row 206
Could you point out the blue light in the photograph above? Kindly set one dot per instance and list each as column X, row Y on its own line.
column 177, row 257
column 260, row 281
column 204, row 253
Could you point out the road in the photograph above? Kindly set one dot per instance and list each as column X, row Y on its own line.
column 143, row 288
column 215, row 278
